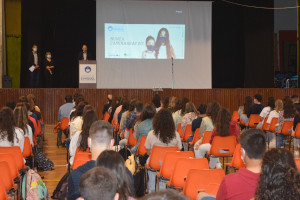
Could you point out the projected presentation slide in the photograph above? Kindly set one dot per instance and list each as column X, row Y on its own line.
column 144, row 41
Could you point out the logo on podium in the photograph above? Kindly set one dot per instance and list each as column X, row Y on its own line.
column 87, row 69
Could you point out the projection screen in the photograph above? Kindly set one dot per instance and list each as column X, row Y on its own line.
column 137, row 42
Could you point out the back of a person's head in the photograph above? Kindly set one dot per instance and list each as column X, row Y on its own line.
column 286, row 97
column 278, row 105
column 125, row 104
column 98, row 183
column 148, row 112
column 75, row 95
column 68, row 98
column 271, row 102
column 139, row 106
column 11, row 104
column 132, row 105
column 202, row 108
column 7, row 124
column 165, row 195
column 88, row 119
column 79, row 99
column 289, row 109
column 172, row 101
column 223, row 122
column 101, row 134
column 190, row 107
column 279, row 178
column 23, row 99
column 115, row 102
column 87, row 108
column 32, row 98
column 164, row 126
column 165, row 102
column 80, row 108
column 258, row 97
column 182, row 104
column 248, row 102
column 114, row 161
column 20, row 117
column 156, row 100
column 295, row 98
column 253, row 141
column 212, row 110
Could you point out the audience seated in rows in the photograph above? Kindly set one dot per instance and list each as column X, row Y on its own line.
column 254, row 109
column 21, row 121
column 266, row 111
column 244, row 108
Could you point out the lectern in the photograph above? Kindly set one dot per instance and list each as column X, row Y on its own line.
column 87, row 74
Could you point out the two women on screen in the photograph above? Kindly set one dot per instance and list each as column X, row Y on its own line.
column 162, row 48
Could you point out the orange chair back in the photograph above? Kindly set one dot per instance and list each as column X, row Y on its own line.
column 273, row 123
column 141, row 148
column 206, row 137
column 254, row 118
column 181, row 168
column 227, row 144
column 78, row 163
column 187, row 132
column 9, row 158
column 236, row 161
column 17, row 153
column 286, row 127
column 27, row 151
column 196, row 137
column 265, row 124
column 106, row 116
column 212, row 188
column 131, row 140
column 297, row 131
column 179, row 130
column 64, row 123
column 235, row 116
column 39, row 128
column 157, row 155
column 7, row 178
column 297, row 161
column 198, row 180
column 83, row 155
column 3, row 194
column 169, row 160
column 113, row 123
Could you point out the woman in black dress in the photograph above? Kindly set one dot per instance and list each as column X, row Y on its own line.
column 49, row 69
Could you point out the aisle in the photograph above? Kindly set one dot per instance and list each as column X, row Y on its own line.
column 58, row 157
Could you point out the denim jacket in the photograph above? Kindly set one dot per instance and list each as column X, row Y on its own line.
column 142, row 130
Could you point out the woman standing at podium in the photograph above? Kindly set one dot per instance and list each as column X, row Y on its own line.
column 49, row 69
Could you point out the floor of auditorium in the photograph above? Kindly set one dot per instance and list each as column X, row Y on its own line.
column 59, row 158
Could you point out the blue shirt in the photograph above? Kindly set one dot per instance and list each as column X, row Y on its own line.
column 142, row 129
column 196, row 123
column 65, row 110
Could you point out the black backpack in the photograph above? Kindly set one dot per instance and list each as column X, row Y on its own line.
column 140, row 182
column 45, row 163
column 61, row 189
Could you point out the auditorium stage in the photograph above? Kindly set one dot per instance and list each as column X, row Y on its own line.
column 49, row 100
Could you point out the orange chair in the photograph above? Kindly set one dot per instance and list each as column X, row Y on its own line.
column 64, row 123
column 254, row 119
column 17, row 153
column 296, row 134
column 196, row 137
column 79, row 162
column 206, row 137
column 181, row 168
column 286, row 130
column 236, row 161
column 141, row 151
column 9, row 158
column 187, row 132
column 272, row 126
column 157, row 155
column 106, row 116
column 235, row 116
column 179, row 130
column 265, row 124
column 3, row 194
column 7, row 177
column 198, row 180
column 82, row 155
column 27, row 151
column 297, row 161
column 131, row 140
column 222, row 147
column 168, row 164
column 212, row 188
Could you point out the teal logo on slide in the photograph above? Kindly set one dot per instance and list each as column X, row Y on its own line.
column 110, row 28
column 87, row 69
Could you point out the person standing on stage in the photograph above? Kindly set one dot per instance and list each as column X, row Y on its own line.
column 49, row 69
column 34, row 60
column 84, row 55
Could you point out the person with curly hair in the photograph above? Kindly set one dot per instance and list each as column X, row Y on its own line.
column 178, row 115
column 242, row 184
column 10, row 135
column 80, row 138
column 279, row 178
column 224, row 127
column 163, row 134
column 288, row 114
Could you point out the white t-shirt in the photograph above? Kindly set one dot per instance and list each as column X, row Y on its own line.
column 28, row 133
column 162, row 54
column 272, row 114
column 265, row 112
column 73, row 146
column 72, row 125
column 17, row 142
column 152, row 141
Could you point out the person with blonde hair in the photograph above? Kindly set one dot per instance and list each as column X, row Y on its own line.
column 49, row 69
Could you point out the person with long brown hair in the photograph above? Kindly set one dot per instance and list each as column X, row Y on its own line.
column 244, row 108
column 163, row 134
column 178, row 115
column 163, row 48
column 288, row 114
column 191, row 113
column 279, row 178
column 80, row 138
column 77, row 118
column 21, row 121
column 224, row 127
column 10, row 135
column 114, row 104
column 172, row 102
